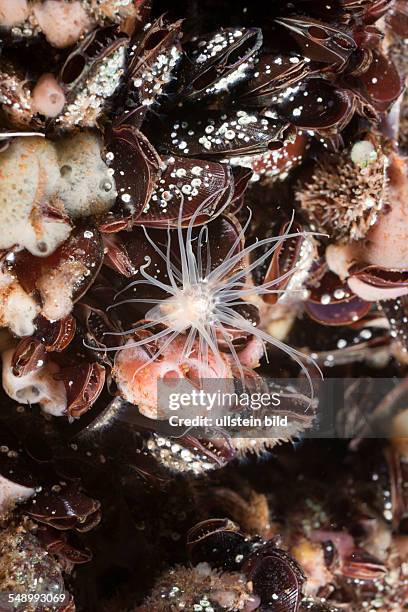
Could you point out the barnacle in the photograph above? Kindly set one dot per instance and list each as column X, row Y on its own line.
column 374, row 271
column 152, row 59
column 347, row 191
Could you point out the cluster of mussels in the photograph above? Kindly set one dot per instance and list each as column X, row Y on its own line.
column 202, row 190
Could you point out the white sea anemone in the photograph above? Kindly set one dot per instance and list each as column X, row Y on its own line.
column 200, row 300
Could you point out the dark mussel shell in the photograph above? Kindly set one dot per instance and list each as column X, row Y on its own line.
column 382, row 278
column 361, row 565
column 94, row 47
column 374, row 10
column 340, row 312
column 242, row 178
column 90, row 76
column 95, row 326
column 151, row 59
column 398, row 18
column 276, row 577
column 364, row 8
column 283, row 261
column 277, row 164
column 319, row 41
column 58, row 543
column 218, row 134
column 272, row 75
column 331, row 302
column 326, row 108
column 83, row 385
column 55, row 335
column 237, row 340
column 158, row 191
column 379, row 86
column 28, row 356
column 49, row 336
column 185, row 187
column 65, row 508
column 217, row 542
column 135, row 167
column 218, row 61
column 128, row 251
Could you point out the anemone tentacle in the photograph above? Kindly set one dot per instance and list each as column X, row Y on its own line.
column 200, row 298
